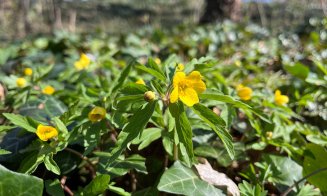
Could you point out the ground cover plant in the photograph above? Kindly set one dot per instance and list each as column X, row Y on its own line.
column 210, row 110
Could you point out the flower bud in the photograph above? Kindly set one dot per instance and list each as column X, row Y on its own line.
column 149, row 96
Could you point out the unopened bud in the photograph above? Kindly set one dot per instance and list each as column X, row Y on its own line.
column 149, row 96
column 269, row 135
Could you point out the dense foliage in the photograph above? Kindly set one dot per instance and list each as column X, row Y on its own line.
column 172, row 112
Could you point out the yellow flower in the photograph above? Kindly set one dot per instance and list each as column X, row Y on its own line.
column 149, row 96
column 187, row 88
column 269, row 135
column 244, row 92
column 46, row 132
column 140, row 81
column 238, row 63
column 97, row 114
column 48, row 90
column 280, row 99
column 180, row 67
column 21, row 82
column 157, row 60
column 28, row 71
column 83, row 62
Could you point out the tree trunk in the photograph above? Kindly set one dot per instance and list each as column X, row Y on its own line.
column 216, row 10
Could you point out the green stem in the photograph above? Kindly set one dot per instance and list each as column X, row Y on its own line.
column 175, row 152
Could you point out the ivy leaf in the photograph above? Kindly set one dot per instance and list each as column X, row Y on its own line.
column 13, row 183
column 179, row 179
column 217, row 124
column 316, row 158
column 54, row 187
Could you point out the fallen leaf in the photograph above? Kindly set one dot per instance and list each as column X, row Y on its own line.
column 2, row 93
column 216, row 178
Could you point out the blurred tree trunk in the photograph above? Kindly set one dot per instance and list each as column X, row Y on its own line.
column 216, row 10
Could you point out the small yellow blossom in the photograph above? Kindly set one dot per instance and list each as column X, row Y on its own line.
column 238, row 63
column 149, row 96
column 187, row 88
column 244, row 92
column 21, row 82
column 48, row 90
column 280, row 99
column 97, row 114
column 46, row 132
column 269, row 135
column 83, row 62
column 180, row 67
column 140, row 81
column 28, row 71
column 157, row 60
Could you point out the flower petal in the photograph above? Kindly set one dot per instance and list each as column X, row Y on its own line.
column 189, row 97
column 277, row 92
column 179, row 76
column 195, row 80
column 174, row 95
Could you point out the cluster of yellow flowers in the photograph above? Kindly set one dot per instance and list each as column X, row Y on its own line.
column 83, row 62
column 245, row 93
column 45, row 132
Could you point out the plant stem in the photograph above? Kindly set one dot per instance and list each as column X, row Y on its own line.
column 91, row 165
column 305, row 177
column 175, row 151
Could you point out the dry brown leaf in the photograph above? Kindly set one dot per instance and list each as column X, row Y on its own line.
column 2, row 93
column 216, row 178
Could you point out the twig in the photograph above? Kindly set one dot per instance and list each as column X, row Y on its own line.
column 91, row 168
column 133, row 180
column 305, row 177
column 65, row 187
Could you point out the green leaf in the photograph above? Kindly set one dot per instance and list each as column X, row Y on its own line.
column 179, row 179
column 314, row 159
column 285, row 170
column 247, row 189
column 118, row 190
column 54, row 188
column 217, row 124
column 20, row 121
column 13, row 183
column 51, row 165
column 183, row 128
column 97, row 186
column 122, row 77
column 147, row 136
column 60, row 125
column 225, row 99
column 133, row 128
column 43, row 109
column 153, row 72
column 308, row 190
column 298, row 70
column 134, row 89
column 3, row 152
column 6, row 128
column 121, row 166
column 153, row 65
column 30, row 163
